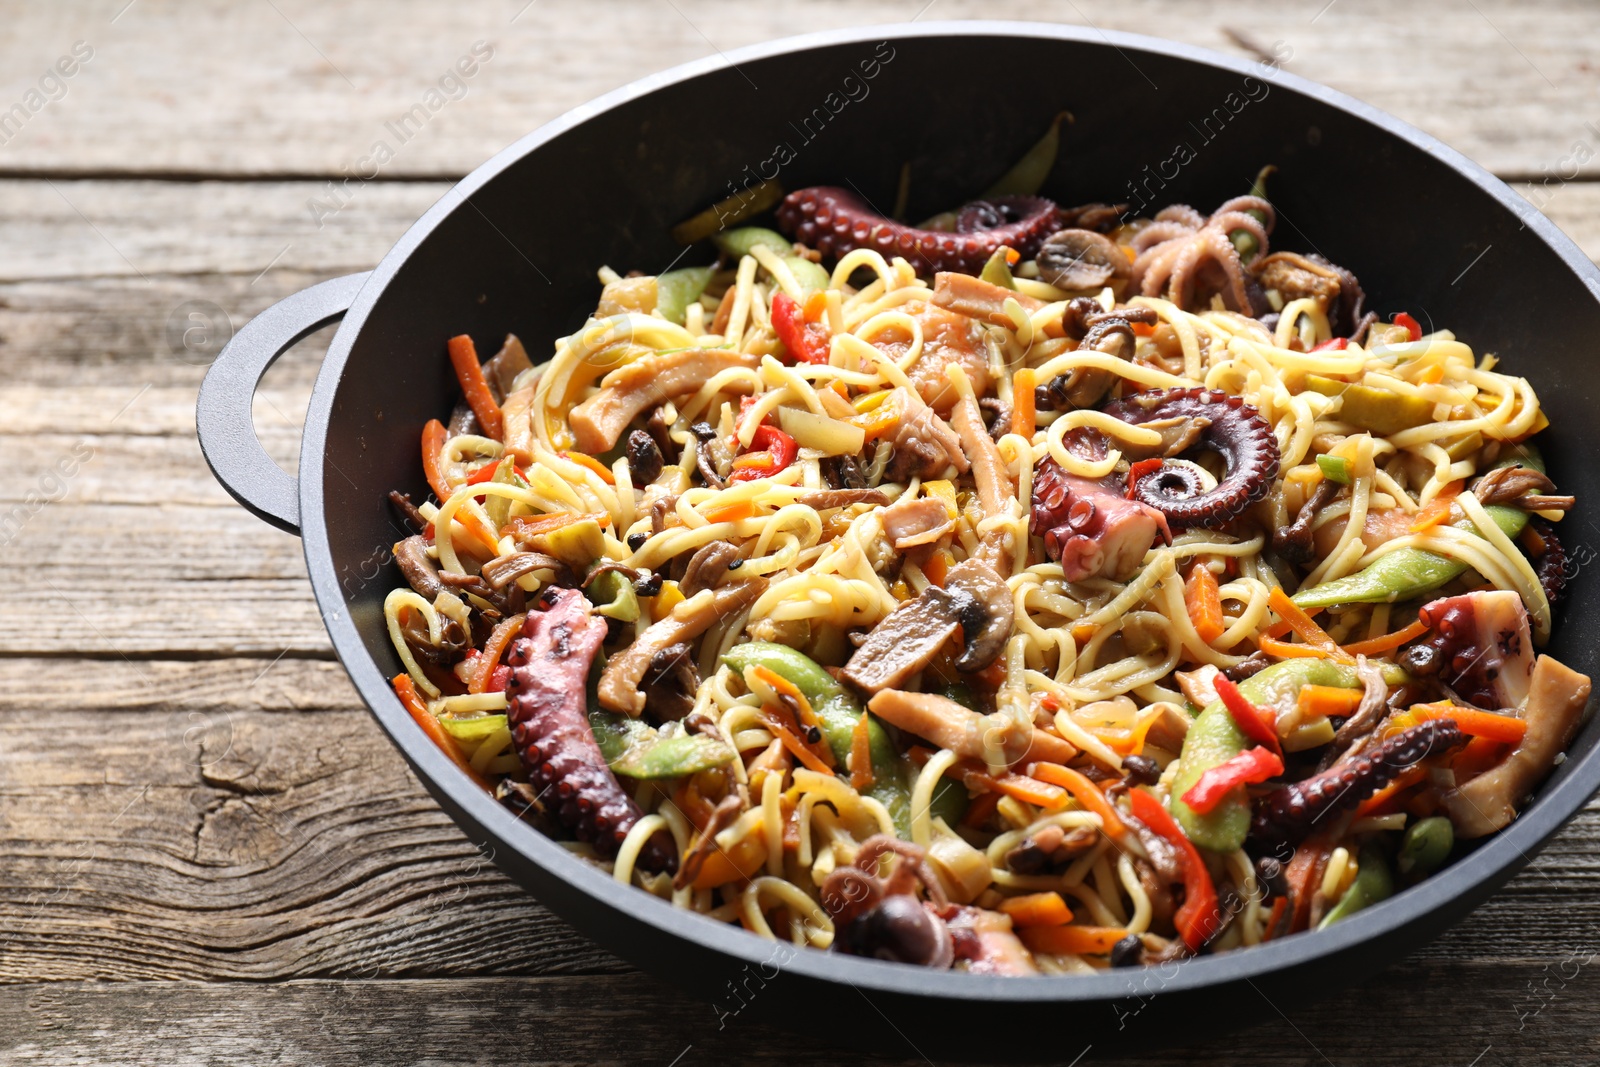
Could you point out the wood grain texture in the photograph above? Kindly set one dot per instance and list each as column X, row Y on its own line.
column 209, row 852
column 295, row 87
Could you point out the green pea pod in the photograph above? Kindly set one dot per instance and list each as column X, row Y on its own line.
column 1373, row 883
column 1027, row 175
column 635, row 749
column 838, row 711
column 472, row 727
column 677, row 289
column 1243, row 240
column 738, row 243
column 1214, row 739
column 997, row 271
column 810, row 276
column 742, row 205
column 1425, row 847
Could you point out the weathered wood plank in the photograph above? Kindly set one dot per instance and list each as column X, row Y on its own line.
column 298, row 88
column 1432, row 1014
column 247, row 819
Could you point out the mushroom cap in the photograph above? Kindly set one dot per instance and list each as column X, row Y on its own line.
column 1081, row 259
column 986, row 612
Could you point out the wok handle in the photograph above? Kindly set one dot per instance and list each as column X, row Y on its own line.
column 222, row 412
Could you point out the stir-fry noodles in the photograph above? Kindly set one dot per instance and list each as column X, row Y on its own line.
column 1034, row 591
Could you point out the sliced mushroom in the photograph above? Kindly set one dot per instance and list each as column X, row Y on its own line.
column 967, row 733
column 598, row 422
column 823, row 499
column 1557, row 696
column 502, row 570
column 644, row 457
column 707, row 567
column 421, row 572
column 987, row 617
column 502, row 368
column 1081, row 259
column 619, row 682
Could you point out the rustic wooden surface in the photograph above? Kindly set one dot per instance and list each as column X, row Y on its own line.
column 209, row 854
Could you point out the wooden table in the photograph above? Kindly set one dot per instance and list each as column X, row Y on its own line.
column 210, row 853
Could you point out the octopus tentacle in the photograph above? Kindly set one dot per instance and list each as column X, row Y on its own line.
column 551, row 733
column 836, row 221
column 1159, row 232
column 1089, row 527
column 1183, row 214
column 1551, row 563
column 1170, row 265
column 1232, row 428
column 1289, row 813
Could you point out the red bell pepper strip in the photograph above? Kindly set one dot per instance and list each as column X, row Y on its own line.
column 1338, row 344
column 780, row 451
column 1247, row 768
column 1413, row 327
column 1258, row 725
column 1199, row 918
column 807, row 342
column 1139, row 470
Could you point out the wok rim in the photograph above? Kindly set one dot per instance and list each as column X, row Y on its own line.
column 1358, row 938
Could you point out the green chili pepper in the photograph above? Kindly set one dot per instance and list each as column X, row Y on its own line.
column 1243, row 240
column 729, row 212
column 677, row 289
column 838, row 711
column 1412, row 572
column 1425, row 847
column 1373, row 883
column 1335, row 468
column 810, row 276
column 738, row 243
column 636, row 749
column 1214, row 739
column 1027, row 175
column 998, row 271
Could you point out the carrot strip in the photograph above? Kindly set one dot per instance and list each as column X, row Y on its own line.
column 1323, row 701
column 433, row 438
column 1313, row 635
column 861, row 776
column 1477, row 756
column 464, row 357
column 732, row 512
column 1375, row 645
column 593, row 464
column 406, row 690
column 1072, row 939
column 980, row 809
column 1037, row 909
column 1385, row 800
column 1204, row 601
column 530, row 525
column 1475, row 723
column 1284, row 650
column 493, row 649
column 1085, row 792
column 1275, row 917
column 1024, row 417
column 1430, row 516
column 792, row 742
column 1304, row 873
column 1019, row 787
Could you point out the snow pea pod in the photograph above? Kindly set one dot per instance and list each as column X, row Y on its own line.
column 1425, row 847
column 1413, row 572
column 1373, row 883
column 838, row 711
column 677, row 289
column 636, row 749
column 1214, row 738
column 1027, row 175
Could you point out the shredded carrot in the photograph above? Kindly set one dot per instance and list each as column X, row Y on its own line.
column 745, row 859
column 1375, row 645
column 937, row 567
column 1274, row 917
column 479, row 529
column 732, row 512
column 1322, row 701
column 696, row 808
column 1433, row 375
column 1037, row 909
column 1475, row 723
column 818, row 756
column 1072, row 939
column 1477, row 756
column 531, row 525
column 1313, row 635
column 406, row 690
column 1204, row 601
column 1084, row 791
column 1023, row 416
column 1303, row 875
column 1430, row 516
column 433, row 438
column 593, row 464
column 1387, row 799
column 464, row 357
column 1018, row 787
column 980, row 809
column 791, row 741
column 1285, row 650
column 493, row 649
column 861, row 776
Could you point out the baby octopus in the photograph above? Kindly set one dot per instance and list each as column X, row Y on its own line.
column 1177, row 247
column 836, row 222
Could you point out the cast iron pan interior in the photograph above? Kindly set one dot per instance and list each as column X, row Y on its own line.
column 515, row 246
